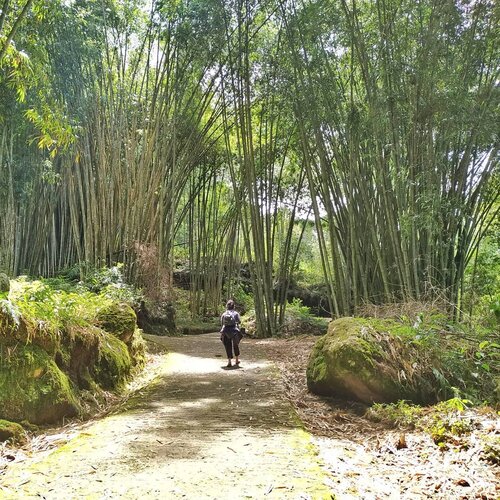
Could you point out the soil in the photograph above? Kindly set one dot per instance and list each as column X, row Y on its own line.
column 200, row 431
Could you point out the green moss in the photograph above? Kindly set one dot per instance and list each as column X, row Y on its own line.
column 4, row 286
column 32, row 387
column 15, row 328
column 389, row 326
column 11, row 431
column 358, row 359
column 137, row 349
column 118, row 319
column 316, row 368
column 113, row 364
column 79, row 352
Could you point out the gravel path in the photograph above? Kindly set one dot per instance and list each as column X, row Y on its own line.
column 198, row 432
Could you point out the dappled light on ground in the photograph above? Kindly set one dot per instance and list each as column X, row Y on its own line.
column 197, row 432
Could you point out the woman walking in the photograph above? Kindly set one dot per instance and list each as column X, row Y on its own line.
column 230, row 333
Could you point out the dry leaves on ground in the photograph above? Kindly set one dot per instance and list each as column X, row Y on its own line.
column 369, row 460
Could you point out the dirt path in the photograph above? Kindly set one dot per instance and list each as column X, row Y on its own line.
column 199, row 432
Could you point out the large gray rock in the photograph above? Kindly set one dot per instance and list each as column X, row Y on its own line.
column 360, row 359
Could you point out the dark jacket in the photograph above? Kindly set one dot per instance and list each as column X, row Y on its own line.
column 231, row 331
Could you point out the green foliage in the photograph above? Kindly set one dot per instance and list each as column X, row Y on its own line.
column 448, row 422
column 11, row 310
column 309, row 271
column 55, row 309
column 487, row 356
column 54, row 132
column 491, row 449
column 107, row 281
column 399, row 414
column 300, row 321
column 242, row 299
column 432, row 359
column 481, row 298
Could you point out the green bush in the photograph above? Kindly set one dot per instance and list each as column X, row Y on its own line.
column 481, row 299
column 106, row 281
column 300, row 321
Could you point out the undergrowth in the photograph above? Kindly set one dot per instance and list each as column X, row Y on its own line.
column 462, row 361
column 449, row 423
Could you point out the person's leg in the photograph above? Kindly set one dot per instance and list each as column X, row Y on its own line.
column 229, row 349
column 236, row 346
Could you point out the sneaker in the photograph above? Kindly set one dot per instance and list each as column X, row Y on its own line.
column 229, row 365
column 237, row 362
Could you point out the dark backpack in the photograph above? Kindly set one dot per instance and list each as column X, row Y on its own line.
column 228, row 318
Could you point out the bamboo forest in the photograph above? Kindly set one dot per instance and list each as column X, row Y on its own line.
column 249, row 249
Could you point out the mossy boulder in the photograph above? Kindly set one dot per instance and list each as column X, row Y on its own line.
column 79, row 351
column 4, row 285
column 366, row 360
column 137, row 349
column 158, row 318
column 14, row 329
column 118, row 319
column 32, row 387
column 12, row 431
column 113, row 365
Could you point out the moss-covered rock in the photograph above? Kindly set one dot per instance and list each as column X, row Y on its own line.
column 53, row 353
column 14, row 329
column 32, row 387
column 79, row 351
column 363, row 360
column 157, row 319
column 118, row 319
column 4, row 284
column 114, row 363
column 137, row 349
column 12, row 431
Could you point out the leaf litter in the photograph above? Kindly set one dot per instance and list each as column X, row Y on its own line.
column 366, row 459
